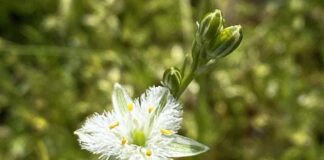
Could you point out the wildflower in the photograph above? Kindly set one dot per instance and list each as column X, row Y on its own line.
column 145, row 128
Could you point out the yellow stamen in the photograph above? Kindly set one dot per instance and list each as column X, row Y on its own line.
column 150, row 109
column 166, row 132
column 114, row 125
column 148, row 152
column 130, row 107
column 123, row 141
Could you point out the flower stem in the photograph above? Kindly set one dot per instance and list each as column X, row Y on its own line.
column 185, row 84
column 186, row 81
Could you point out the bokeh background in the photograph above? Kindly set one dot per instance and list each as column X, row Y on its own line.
column 60, row 58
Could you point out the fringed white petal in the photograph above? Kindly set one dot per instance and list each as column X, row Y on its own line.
column 181, row 146
column 95, row 135
column 166, row 111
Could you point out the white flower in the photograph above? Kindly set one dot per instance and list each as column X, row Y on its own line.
column 143, row 129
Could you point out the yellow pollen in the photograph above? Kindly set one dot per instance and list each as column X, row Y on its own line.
column 166, row 132
column 130, row 107
column 150, row 109
column 114, row 125
column 148, row 152
column 123, row 141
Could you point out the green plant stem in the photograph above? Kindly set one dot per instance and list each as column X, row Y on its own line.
column 185, row 84
column 184, row 66
column 186, row 81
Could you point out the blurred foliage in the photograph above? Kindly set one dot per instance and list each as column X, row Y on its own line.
column 60, row 58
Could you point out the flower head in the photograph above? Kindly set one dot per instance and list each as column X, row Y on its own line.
column 145, row 128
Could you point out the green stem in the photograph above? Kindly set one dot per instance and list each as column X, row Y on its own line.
column 185, row 84
column 187, row 79
column 184, row 66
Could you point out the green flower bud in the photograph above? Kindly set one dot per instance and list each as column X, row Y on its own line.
column 226, row 42
column 172, row 79
column 209, row 27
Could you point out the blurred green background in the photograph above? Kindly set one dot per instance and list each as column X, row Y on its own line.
column 60, row 58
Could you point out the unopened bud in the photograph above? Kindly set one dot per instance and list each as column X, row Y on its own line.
column 226, row 42
column 209, row 27
column 172, row 79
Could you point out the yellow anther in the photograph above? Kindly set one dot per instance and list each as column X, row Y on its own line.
column 130, row 107
column 123, row 141
column 114, row 125
column 150, row 109
column 148, row 152
column 166, row 132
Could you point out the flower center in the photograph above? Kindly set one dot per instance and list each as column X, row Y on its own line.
column 139, row 138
